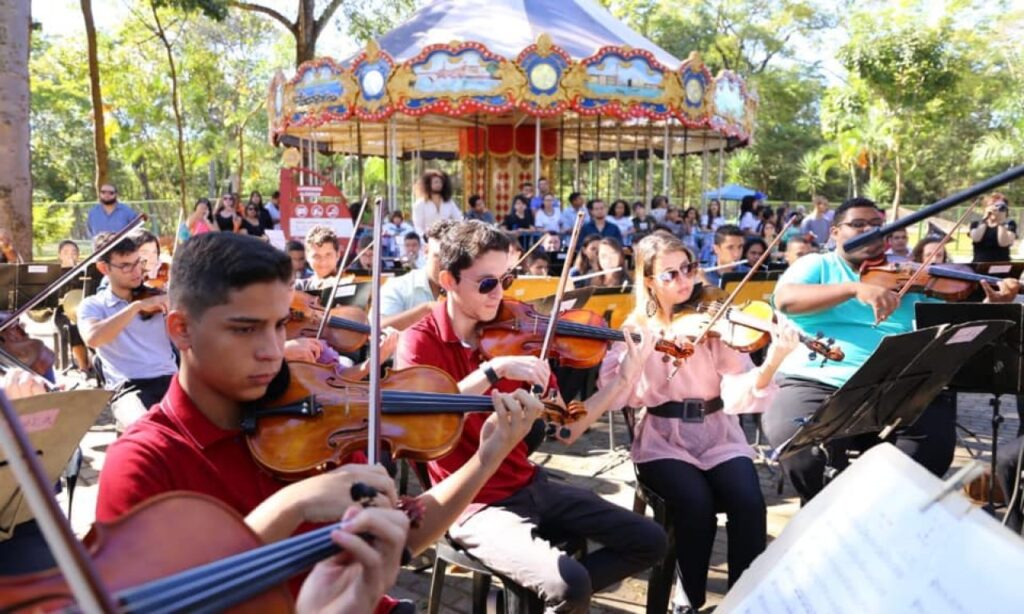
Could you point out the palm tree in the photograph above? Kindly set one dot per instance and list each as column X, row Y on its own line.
column 814, row 167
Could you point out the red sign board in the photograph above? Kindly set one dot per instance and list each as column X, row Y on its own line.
column 309, row 199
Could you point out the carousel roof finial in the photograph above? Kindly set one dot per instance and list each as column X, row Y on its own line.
column 544, row 44
column 372, row 50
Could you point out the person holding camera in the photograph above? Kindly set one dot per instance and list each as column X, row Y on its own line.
column 994, row 235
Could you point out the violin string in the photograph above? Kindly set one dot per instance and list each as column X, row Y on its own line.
column 156, row 594
column 344, row 324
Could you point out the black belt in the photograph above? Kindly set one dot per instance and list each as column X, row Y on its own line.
column 687, row 410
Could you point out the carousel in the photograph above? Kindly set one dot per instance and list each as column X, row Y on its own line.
column 510, row 91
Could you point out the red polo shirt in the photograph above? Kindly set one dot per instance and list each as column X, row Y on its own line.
column 175, row 447
column 433, row 342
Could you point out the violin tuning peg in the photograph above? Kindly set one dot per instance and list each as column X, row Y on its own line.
column 831, row 341
column 819, row 335
column 665, row 358
column 564, row 432
column 549, row 430
column 812, row 356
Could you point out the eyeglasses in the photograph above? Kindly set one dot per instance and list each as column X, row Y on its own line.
column 128, row 267
column 668, row 276
column 108, row 191
column 862, row 224
column 488, row 284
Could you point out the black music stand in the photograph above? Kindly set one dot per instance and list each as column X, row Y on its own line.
column 997, row 369
column 355, row 294
column 34, row 278
column 894, row 386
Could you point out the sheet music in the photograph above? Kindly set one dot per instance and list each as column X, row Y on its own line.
column 865, row 545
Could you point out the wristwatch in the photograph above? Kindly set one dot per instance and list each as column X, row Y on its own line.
column 492, row 375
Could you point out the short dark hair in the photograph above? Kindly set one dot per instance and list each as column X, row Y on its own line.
column 473, row 200
column 574, row 195
column 657, row 200
column 209, row 266
column 727, row 230
column 276, row 194
column 466, row 241
column 857, row 202
column 143, row 236
column 537, row 255
column 590, row 203
column 365, row 240
column 412, row 235
column 751, row 241
column 65, row 243
column 294, row 245
column 446, row 184
column 125, row 246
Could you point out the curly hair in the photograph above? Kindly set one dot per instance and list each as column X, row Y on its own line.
column 427, row 179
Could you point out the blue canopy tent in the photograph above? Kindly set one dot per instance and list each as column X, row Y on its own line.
column 733, row 192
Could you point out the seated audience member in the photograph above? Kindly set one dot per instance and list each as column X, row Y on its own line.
column 412, row 253
column 478, row 210
column 67, row 253
column 796, row 248
column 394, row 231
column 899, row 250
column 297, row 252
column 322, row 255
column 728, row 250
column 612, row 261
column 537, row 264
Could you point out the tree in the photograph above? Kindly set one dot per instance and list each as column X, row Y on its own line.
column 99, row 129
column 814, row 168
column 306, row 27
column 15, row 173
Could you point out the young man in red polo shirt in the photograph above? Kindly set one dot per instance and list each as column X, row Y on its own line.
column 229, row 303
column 518, row 504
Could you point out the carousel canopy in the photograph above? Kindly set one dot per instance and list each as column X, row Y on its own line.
column 474, row 78
column 506, row 27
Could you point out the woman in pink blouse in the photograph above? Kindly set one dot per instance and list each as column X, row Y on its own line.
column 694, row 454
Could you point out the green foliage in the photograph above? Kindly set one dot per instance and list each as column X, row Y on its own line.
column 814, row 168
column 51, row 224
column 878, row 190
column 742, row 168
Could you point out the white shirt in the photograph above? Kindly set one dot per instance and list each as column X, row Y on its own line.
column 625, row 224
column 715, row 223
column 405, row 292
column 749, row 221
column 545, row 222
column 425, row 213
column 568, row 218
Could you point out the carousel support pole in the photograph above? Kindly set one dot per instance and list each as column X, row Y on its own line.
column 487, row 166
column 536, row 152
column 649, row 166
column 359, row 157
column 636, row 163
column 666, row 162
column 396, row 167
column 686, row 142
column 579, row 153
column 475, row 158
column 597, row 161
column 561, row 155
column 704, row 172
column 618, row 160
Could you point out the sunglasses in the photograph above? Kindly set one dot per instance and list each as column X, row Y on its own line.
column 488, row 284
column 670, row 275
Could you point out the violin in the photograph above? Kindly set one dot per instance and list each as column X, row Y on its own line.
column 939, row 281
column 162, row 277
column 581, row 337
column 321, row 418
column 347, row 329
column 30, row 352
column 146, row 291
column 150, row 569
column 747, row 328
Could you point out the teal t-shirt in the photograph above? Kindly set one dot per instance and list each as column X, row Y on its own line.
column 849, row 323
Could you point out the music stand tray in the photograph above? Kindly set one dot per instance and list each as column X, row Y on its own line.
column 356, row 294
column 8, row 287
column 572, row 299
column 895, row 385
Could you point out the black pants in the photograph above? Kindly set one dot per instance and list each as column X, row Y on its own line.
column 1007, row 471
column 693, row 497
column 150, row 390
column 930, row 441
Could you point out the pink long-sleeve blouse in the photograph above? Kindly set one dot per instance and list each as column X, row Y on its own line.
column 714, row 370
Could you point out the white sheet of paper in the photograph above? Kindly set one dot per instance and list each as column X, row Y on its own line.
column 865, row 545
column 277, row 239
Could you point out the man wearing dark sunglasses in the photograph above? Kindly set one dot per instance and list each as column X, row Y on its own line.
column 823, row 292
column 502, row 526
column 108, row 215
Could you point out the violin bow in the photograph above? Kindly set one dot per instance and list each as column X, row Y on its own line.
column 724, row 266
column 937, row 207
column 526, row 255
column 72, row 272
column 729, row 300
column 922, row 269
column 71, row 557
column 374, row 395
column 556, row 304
column 340, row 270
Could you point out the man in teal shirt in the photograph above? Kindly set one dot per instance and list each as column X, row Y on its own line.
column 823, row 293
